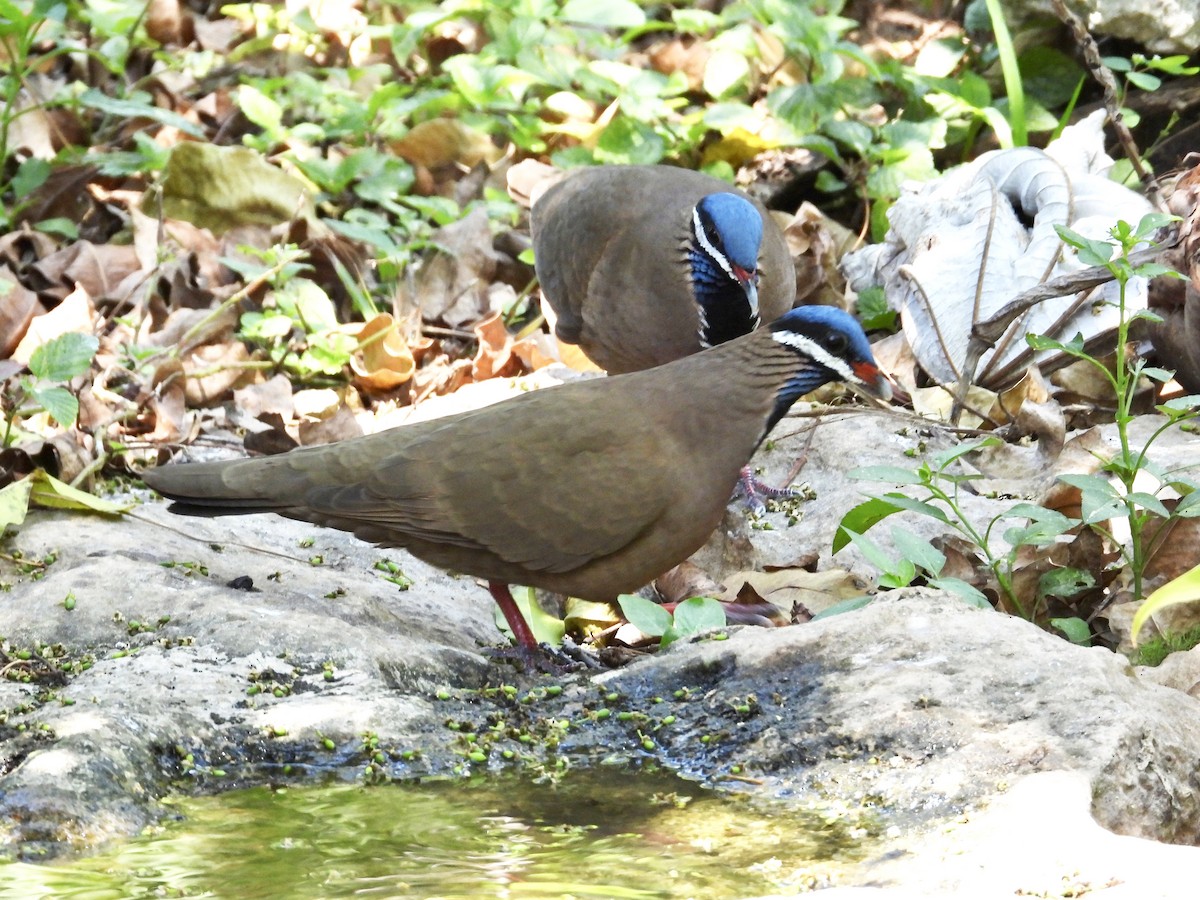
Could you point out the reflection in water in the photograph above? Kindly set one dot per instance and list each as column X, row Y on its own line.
column 604, row 834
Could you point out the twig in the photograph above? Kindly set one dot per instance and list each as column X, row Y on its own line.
column 985, row 334
column 1112, row 103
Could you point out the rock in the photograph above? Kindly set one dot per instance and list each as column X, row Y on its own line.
column 1036, row 840
column 1172, row 26
column 175, row 674
column 924, row 707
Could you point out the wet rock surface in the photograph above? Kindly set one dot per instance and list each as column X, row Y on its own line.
column 910, row 714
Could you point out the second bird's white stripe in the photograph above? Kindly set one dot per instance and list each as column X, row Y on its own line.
column 818, row 353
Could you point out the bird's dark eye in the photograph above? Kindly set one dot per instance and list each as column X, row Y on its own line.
column 836, row 343
column 714, row 237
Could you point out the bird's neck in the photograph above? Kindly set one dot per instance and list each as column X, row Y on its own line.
column 721, row 302
column 766, row 377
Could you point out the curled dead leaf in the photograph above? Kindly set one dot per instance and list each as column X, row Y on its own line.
column 817, row 243
column 384, row 361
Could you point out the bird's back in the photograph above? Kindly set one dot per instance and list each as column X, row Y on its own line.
column 610, row 248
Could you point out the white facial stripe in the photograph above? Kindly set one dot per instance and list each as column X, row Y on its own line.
column 702, row 239
column 811, row 348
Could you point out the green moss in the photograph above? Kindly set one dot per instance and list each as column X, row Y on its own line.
column 1155, row 650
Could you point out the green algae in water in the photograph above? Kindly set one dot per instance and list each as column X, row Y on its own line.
column 594, row 835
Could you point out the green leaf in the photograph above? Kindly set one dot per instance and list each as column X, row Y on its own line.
column 1064, row 582
column 1149, row 502
column 1172, row 65
column 694, row 615
column 1039, row 514
column 1189, row 506
column 1183, row 404
column 895, row 573
column 874, row 312
column 604, row 13
column 1075, row 629
column 31, row 174
column 1098, row 484
column 65, row 357
column 861, row 518
column 51, row 493
column 844, row 606
column 629, row 142
column 1151, row 222
column 918, row 506
column 60, row 403
column 14, row 503
column 970, row 594
column 1184, row 589
column 942, row 459
column 645, row 615
column 1144, row 80
column 139, row 109
column 59, row 225
column 260, row 109
column 1154, row 373
column 695, row 21
column 918, row 550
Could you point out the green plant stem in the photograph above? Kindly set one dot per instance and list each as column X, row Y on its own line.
column 1011, row 71
column 962, row 525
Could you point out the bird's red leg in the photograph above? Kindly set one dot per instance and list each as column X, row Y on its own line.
column 520, row 628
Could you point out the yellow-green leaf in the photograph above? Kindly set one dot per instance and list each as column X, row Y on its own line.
column 545, row 627
column 1183, row 589
column 51, row 493
column 14, row 503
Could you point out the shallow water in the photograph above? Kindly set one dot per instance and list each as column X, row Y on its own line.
column 596, row 835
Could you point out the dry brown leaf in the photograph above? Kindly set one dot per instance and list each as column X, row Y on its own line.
column 1083, row 454
column 179, row 325
column 494, row 358
column 674, row 55
column 30, row 131
column 817, row 243
column 1082, row 382
column 168, row 22
column 385, row 360
column 214, row 370
column 571, row 355
column 75, row 313
column 18, row 307
column 686, row 580
column 96, row 268
column 1032, row 388
column 168, row 402
column 936, row 403
column 536, row 350
column 1175, row 546
column 788, row 587
column 271, row 396
column 64, row 195
column 451, row 284
column 272, row 439
column 442, row 142
column 529, row 179
column 894, row 356
column 339, row 426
